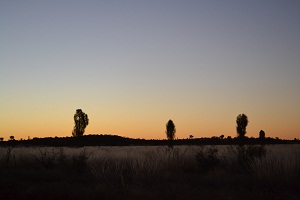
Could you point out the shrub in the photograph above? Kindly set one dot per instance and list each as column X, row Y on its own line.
column 175, row 161
column 209, row 160
column 46, row 158
column 245, row 155
column 79, row 162
column 8, row 158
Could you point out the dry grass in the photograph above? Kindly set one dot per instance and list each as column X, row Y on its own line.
column 149, row 172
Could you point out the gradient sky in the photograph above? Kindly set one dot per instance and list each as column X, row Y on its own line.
column 133, row 65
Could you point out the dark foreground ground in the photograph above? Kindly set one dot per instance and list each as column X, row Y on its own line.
column 63, row 185
column 54, row 174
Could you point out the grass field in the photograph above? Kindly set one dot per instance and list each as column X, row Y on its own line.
column 152, row 172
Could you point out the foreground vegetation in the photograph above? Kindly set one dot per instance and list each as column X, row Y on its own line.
column 153, row 172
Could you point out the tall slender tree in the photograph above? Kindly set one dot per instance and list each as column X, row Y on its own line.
column 81, row 121
column 242, row 122
column 170, row 130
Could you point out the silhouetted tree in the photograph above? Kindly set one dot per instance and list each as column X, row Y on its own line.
column 222, row 137
column 1, row 139
column 170, row 130
column 12, row 137
column 81, row 121
column 191, row 136
column 242, row 122
column 262, row 135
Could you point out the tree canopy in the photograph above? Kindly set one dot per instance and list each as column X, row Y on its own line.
column 170, row 130
column 242, row 122
column 81, row 121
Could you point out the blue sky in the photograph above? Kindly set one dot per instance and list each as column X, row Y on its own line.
column 125, row 63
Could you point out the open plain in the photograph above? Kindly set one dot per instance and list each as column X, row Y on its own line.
column 152, row 172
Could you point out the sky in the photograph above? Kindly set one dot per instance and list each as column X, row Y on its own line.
column 133, row 65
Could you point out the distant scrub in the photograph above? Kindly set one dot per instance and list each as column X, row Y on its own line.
column 114, row 140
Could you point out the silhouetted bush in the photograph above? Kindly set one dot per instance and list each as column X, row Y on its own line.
column 79, row 162
column 262, row 135
column 245, row 155
column 209, row 159
column 8, row 160
column 46, row 158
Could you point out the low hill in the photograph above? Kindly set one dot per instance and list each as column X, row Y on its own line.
column 114, row 140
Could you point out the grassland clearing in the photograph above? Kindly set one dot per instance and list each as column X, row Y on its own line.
column 151, row 172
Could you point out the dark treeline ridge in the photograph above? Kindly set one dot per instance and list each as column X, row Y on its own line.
column 114, row 140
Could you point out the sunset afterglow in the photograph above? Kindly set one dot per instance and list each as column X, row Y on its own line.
column 133, row 65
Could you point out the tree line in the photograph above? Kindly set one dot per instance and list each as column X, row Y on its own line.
column 81, row 121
